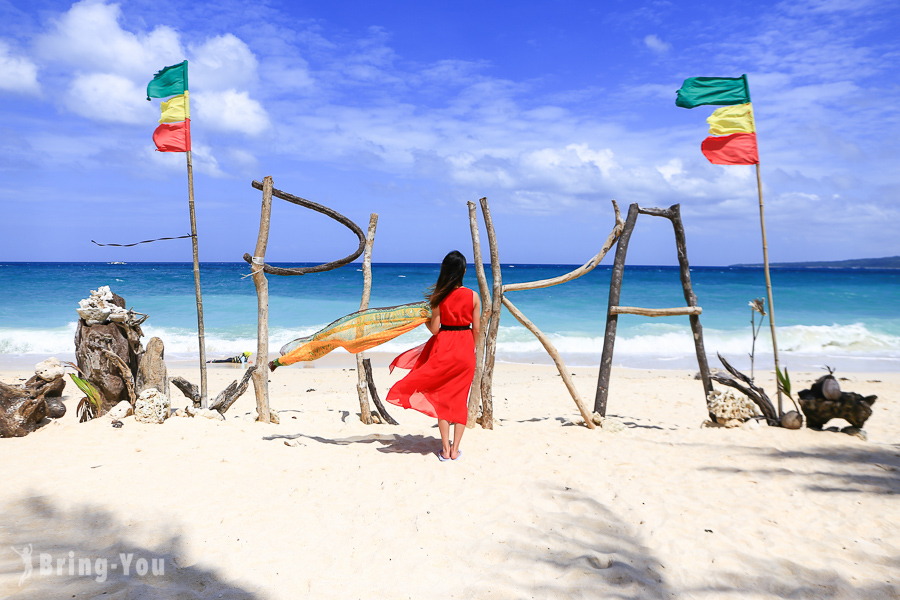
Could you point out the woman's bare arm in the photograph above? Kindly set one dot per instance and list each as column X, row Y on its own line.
column 434, row 325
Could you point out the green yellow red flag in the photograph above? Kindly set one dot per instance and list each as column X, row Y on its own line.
column 732, row 128
column 174, row 132
column 170, row 81
column 696, row 91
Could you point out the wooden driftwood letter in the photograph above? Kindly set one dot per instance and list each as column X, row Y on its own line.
column 490, row 344
column 485, row 293
column 261, row 375
column 365, row 414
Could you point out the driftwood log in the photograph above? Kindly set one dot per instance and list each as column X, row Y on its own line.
column 545, row 341
column 365, row 413
column 235, row 390
column 226, row 397
column 850, row 406
column 673, row 214
column 320, row 209
column 745, row 385
column 127, row 377
column 260, row 376
column 490, row 342
column 259, row 268
column 22, row 408
column 20, row 411
column 188, row 389
column 95, row 344
column 583, row 269
column 557, row 360
column 485, row 293
column 367, row 367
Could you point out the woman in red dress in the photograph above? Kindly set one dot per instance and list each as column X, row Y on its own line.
column 442, row 369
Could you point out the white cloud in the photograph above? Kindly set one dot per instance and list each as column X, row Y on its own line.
column 230, row 111
column 221, row 63
column 90, row 38
column 653, row 42
column 17, row 73
column 109, row 98
column 202, row 160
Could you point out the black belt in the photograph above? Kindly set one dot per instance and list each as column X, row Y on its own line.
column 455, row 327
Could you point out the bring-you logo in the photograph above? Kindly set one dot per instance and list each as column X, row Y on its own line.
column 70, row 564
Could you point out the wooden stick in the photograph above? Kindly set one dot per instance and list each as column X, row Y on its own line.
column 762, row 225
column 367, row 365
column 490, row 346
column 754, row 392
column 583, row 269
column 690, row 298
column 612, row 319
column 560, row 365
column 655, row 312
column 365, row 414
column 261, row 375
column 191, row 391
column 200, row 333
column 325, row 211
column 485, row 293
column 235, row 390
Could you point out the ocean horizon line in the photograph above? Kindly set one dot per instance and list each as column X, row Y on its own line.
column 747, row 267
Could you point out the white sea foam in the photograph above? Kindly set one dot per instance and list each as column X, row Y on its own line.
column 659, row 342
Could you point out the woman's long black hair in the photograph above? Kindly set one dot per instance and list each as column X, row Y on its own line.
column 452, row 270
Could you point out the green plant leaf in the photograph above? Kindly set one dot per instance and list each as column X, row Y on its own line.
column 784, row 381
column 89, row 390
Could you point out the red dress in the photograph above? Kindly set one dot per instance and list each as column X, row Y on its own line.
column 442, row 368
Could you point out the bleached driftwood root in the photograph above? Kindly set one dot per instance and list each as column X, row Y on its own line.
column 582, row 270
column 485, row 293
column 560, row 365
column 382, row 412
column 365, row 413
column 490, row 343
column 223, row 401
column 574, row 274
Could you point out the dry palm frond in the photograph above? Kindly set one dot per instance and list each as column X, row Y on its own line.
column 758, row 305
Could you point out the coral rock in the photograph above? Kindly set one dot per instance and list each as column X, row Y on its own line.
column 152, row 406
column 49, row 369
column 121, row 410
column 730, row 409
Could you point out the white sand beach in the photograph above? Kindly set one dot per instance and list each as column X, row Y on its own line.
column 322, row 506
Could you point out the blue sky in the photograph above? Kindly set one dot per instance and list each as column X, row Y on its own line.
column 411, row 109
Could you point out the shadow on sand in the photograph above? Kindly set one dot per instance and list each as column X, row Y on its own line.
column 391, row 443
column 875, row 469
column 576, row 547
column 85, row 536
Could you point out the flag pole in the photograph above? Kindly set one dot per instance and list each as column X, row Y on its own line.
column 203, row 396
column 762, row 223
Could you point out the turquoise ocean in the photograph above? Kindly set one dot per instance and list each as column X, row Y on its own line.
column 845, row 318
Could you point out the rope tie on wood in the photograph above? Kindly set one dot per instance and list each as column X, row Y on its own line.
column 256, row 260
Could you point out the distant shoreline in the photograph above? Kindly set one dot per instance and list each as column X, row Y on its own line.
column 888, row 262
